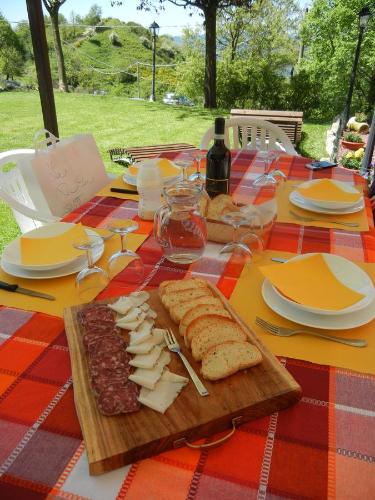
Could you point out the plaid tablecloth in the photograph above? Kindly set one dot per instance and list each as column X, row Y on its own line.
column 323, row 447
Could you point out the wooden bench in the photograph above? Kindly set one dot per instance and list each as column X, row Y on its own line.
column 289, row 121
column 126, row 156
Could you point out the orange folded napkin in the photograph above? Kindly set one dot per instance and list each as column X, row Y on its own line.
column 52, row 250
column 327, row 190
column 167, row 169
column 310, row 282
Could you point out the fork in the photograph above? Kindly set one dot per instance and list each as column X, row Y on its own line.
column 288, row 332
column 174, row 346
column 313, row 219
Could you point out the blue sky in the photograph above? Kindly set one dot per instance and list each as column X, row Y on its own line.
column 172, row 20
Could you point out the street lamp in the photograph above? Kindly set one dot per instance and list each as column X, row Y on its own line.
column 154, row 28
column 364, row 17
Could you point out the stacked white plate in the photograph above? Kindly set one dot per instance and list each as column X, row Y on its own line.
column 11, row 258
column 132, row 179
column 346, row 272
column 326, row 206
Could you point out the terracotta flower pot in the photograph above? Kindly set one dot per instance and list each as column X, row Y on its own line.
column 352, row 145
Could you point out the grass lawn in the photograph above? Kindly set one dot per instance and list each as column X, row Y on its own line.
column 114, row 121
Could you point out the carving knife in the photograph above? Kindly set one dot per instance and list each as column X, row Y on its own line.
column 15, row 288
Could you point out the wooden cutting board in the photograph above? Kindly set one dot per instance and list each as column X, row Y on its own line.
column 112, row 442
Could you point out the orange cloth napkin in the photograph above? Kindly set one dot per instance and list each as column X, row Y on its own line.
column 248, row 302
column 310, row 282
column 327, row 190
column 52, row 250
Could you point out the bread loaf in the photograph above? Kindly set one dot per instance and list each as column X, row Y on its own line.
column 227, row 358
column 210, row 330
column 183, row 284
column 219, row 206
column 178, row 311
column 179, row 296
column 200, row 310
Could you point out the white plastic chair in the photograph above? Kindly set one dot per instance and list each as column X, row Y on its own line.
column 20, row 189
column 251, row 133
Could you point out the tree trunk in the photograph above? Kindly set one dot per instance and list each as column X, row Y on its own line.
column 63, row 84
column 371, row 93
column 210, row 61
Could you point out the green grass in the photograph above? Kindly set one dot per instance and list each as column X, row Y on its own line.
column 114, row 121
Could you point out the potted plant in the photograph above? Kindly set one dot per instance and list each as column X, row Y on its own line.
column 352, row 160
column 352, row 141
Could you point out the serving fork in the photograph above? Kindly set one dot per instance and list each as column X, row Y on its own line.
column 288, row 332
column 314, row 219
column 174, row 346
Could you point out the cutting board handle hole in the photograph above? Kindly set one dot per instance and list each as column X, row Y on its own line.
column 213, row 444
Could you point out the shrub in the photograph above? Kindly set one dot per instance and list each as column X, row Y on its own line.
column 352, row 138
column 350, row 161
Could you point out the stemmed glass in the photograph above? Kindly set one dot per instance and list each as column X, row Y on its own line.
column 198, row 175
column 92, row 279
column 269, row 176
column 252, row 219
column 125, row 258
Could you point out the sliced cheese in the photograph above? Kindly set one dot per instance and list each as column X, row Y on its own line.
column 157, row 337
column 151, row 314
column 148, row 378
column 145, row 307
column 131, row 325
column 131, row 315
column 165, row 392
column 142, row 333
column 138, row 298
column 147, row 360
column 122, row 305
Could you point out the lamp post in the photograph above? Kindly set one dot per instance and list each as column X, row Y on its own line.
column 154, row 28
column 364, row 17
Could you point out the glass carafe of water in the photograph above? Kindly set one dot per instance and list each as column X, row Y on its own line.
column 179, row 228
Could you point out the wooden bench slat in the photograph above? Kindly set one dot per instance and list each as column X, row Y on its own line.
column 126, row 155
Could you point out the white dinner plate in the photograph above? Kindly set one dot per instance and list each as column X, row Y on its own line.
column 12, row 252
column 301, row 202
column 328, row 204
column 344, row 322
column 132, row 179
column 347, row 273
column 73, row 267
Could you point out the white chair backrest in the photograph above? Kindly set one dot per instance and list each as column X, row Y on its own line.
column 251, row 133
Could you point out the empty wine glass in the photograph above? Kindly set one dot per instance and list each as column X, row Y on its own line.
column 198, row 175
column 125, row 258
column 252, row 219
column 184, row 160
column 92, row 279
column 270, row 176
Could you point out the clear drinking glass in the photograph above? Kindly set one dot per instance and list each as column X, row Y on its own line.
column 198, row 175
column 92, row 279
column 253, row 221
column 270, row 175
column 125, row 258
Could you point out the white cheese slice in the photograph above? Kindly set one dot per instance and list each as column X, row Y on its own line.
column 148, row 378
column 165, row 392
column 145, row 347
column 145, row 307
column 131, row 315
column 122, row 305
column 147, row 360
column 142, row 333
column 138, row 298
column 151, row 314
column 131, row 325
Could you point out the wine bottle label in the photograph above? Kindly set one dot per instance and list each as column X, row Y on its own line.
column 219, row 136
column 217, row 186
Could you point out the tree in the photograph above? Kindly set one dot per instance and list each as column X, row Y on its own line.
column 209, row 9
column 11, row 51
column 94, row 15
column 53, row 7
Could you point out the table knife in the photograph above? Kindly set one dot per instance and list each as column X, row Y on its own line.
column 15, row 288
column 125, row 191
column 278, row 259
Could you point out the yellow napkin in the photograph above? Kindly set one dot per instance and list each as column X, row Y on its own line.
column 167, row 169
column 310, row 282
column 118, row 183
column 362, row 218
column 63, row 288
column 52, row 250
column 248, row 302
column 327, row 190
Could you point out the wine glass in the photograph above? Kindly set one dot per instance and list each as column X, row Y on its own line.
column 269, row 176
column 198, row 175
column 250, row 218
column 184, row 160
column 92, row 279
column 125, row 258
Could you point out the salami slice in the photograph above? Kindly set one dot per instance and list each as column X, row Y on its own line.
column 111, row 361
column 122, row 400
column 108, row 344
column 101, row 383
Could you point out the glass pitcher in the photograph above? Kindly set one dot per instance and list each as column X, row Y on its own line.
column 179, row 228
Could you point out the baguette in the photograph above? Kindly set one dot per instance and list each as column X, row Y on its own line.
column 178, row 311
column 179, row 296
column 210, row 330
column 198, row 311
column 229, row 357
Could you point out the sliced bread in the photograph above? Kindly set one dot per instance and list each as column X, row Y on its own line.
column 171, row 299
column 163, row 284
column 220, row 205
column 178, row 311
column 196, row 312
column 210, row 330
column 229, row 357
column 183, row 284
